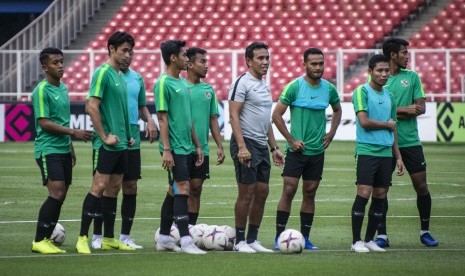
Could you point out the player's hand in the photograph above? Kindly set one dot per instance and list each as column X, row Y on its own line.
column 391, row 125
column 418, row 109
column 400, row 167
column 131, row 142
column 278, row 158
column 83, row 135
column 167, row 160
column 297, row 146
column 200, row 157
column 412, row 109
column 151, row 130
column 220, row 156
column 327, row 139
column 244, row 157
column 111, row 140
column 73, row 158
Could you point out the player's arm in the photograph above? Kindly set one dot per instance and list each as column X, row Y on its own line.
column 398, row 156
column 94, row 113
column 367, row 123
column 198, row 146
column 235, row 109
column 215, row 130
column 278, row 120
column 335, row 121
column 151, row 130
column 411, row 111
column 167, row 159
column 73, row 155
column 49, row 126
column 278, row 157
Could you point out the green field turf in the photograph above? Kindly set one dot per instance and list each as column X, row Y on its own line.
column 21, row 196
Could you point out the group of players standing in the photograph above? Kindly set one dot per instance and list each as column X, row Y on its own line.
column 187, row 109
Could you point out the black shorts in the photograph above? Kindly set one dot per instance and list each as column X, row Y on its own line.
column 109, row 162
column 310, row 167
column 413, row 159
column 56, row 167
column 373, row 170
column 202, row 172
column 134, row 165
column 260, row 166
column 181, row 169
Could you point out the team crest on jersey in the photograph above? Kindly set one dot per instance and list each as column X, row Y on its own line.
column 404, row 83
column 208, row 95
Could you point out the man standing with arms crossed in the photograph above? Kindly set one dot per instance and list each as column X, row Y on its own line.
column 250, row 109
column 205, row 118
column 308, row 97
column 410, row 98
column 107, row 107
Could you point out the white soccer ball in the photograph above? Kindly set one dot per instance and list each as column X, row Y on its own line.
column 291, row 241
column 174, row 234
column 196, row 233
column 231, row 234
column 59, row 234
column 214, row 238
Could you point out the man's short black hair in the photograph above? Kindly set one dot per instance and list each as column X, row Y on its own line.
column 119, row 38
column 171, row 47
column 312, row 51
column 45, row 53
column 254, row 45
column 191, row 52
column 392, row 45
column 377, row 59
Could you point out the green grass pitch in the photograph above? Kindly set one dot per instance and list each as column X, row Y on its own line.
column 21, row 196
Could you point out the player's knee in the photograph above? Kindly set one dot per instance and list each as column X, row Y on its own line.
column 422, row 188
column 130, row 187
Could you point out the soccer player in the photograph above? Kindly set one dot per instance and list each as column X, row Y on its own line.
column 53, row 149
column 410, row 98
column 107, row 107
column 308, row 97
column 137, row 108
column 376, row 140
column 250, row 110
column 177, row 141
column 205, row 117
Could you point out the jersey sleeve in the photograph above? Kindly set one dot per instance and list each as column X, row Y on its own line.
column 142, row 97
column 333, row 95
column 98, row 84
column 289, row 93
column 40, row 101
column 238, row 90
column 359, row 99
column 161, row 94
column 418, row 92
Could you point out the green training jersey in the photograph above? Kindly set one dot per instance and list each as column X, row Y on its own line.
column 308, row 116
column 204, row 104
column 172, row 96
column 52, row 103
column 406, row 87
column 110, row 87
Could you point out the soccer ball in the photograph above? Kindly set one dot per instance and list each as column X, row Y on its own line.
column 196, row 233
column 59, row 234
column 231, row 234
column 214, row 238
column 291, row 241
column 174, row 234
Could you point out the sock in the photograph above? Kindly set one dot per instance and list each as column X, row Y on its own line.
column 55, row 219
column 123, row 237
column 47, row 214
column 89, row 208
column 128, row 211
column 109, row 216
column 240, row 234
column 181, row 216
column 358, row 212
column 98, row 220
column 424, row 209
column 374, row 215
column 193, row 218
column 166, row 216
column 306, row 221
column 252, row 233
column 382, row 232
column 281, row 220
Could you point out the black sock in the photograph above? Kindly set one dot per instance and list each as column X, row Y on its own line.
column 306, row 221
column 98, row 219
column 47, row 214
column 358, row 212
column 109, row 216
column 181, row 215
column 240, row 234
column 382, row 221
column 193, row 218
column 166, row 216
column 128, row 211
column 424, row 209
column 374, row 215
column 281, row 220
column 89, row 208
column 55, row 219
column 252, row 233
